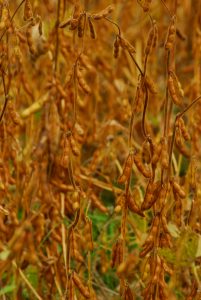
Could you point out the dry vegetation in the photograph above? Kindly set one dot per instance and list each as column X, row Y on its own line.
column 100, row 138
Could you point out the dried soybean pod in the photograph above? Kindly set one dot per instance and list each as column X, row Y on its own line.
column 164, row 224
column 75, row 252
column 126, row 45
column 30, row 42
column 180, row 144
column 88, row 235
column 81, row 81
column 98, row 204
column 147, row 249
column 146, row 152
column 114, row 254
column 150, row 196
column 84, row 290
column 151, row 86
column 183, row 129
column 157, row 270
column 73, row 24
column 120, row 251
column 70, row 288
column 4, row 17
column 81, row 24
column 164, row 155
column 146, row 5
column 126, row 169
column 116, row 47
column 77, row 9
column 178, row 189
column 128, row 293
column 65, row 158
column 53, row 127
column 157, row 154
column 177, row 84
column 133, row 206
column 14, row 114
column 155, row 225
column 194, row 290
column 172, row 89
column 139, row 98
column 170, row 40
column 65, row 23
column 150, row 40
column 161, row 293
column 118, row 203
column 74, row 148
column 40, row 26
column 28, row 12
column 178, row 210
column 166, row 268
column 103, row 13
column 142, row 168
column 155, row 36
column 91, row 28
column 117, row 253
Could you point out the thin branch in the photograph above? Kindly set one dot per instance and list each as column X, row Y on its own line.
column 6, row 98
column 135, row 62
column 27, row 282
column 144, row 110
column 114, row 24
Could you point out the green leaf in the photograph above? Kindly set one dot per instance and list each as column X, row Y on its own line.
column 4, row 254
column 174, row 230
column 187, row 245
column 185, row 250
column 168, row 254
column 7, row 289
column 31, row 273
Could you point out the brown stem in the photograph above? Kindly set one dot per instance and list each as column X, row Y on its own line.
column 114, row 24
column 166, row 100
column 135, row 62
column 169, row 12
column 6, row 98
column 144, row 110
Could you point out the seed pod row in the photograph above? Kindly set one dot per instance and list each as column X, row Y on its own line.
column 91, row 28
column 151, row 41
